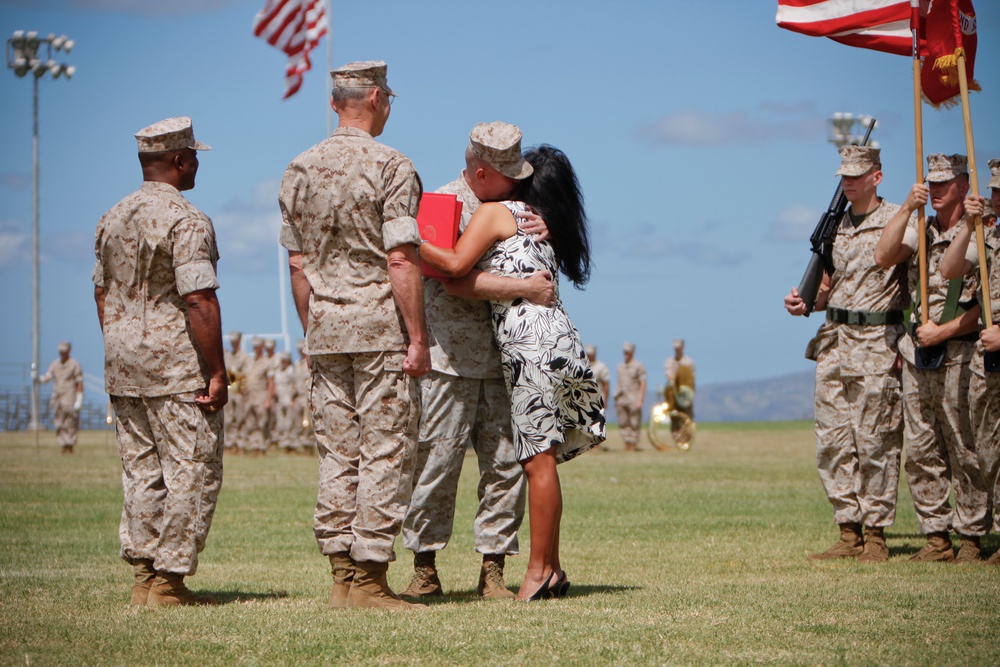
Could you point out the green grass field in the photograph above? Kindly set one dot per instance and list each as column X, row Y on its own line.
column 676, row 558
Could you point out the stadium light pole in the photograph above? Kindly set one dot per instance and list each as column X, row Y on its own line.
column 23, row 57
column 840, row 129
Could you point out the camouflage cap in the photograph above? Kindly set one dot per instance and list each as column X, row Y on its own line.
column 857, row 160
column 363, row 74
column 941, row 167
column 628, row 347
column 994, row 173
column 285, row 356
column 678, row 342
column 235, row 335
column 499, row 145
column 257, row 341
column 590, row 350
column 269, row 344
column 168, row 135
column 64, row 346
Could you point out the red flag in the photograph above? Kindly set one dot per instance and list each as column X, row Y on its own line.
column 295, row 27
column 949, row 29
column 882, row 25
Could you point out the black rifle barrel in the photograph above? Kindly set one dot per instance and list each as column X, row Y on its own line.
column 822, row 239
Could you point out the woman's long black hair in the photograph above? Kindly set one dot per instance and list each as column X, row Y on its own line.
column 554, row 192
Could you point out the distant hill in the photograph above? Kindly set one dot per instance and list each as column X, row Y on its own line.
column 786, row 397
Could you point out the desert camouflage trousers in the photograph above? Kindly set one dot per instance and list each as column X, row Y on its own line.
column 231, row 416
column 287, row 425
column 984, row 397
column 629, row 421
column 859, row 436
column 941, row 451
column 67, row 422
column 253, row 423
column 171, row 453
column 456, row 413
column 364, row 412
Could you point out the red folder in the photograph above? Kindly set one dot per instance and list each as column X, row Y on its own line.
column 438, row 218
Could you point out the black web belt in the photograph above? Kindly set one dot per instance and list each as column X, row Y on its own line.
column 863, row 318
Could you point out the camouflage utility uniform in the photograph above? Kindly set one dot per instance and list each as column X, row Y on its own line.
column 984, row 389
column 253, row 425
column 153, row 248
column 66, row 378
column 940, row 442
column 464, row 402
column 858, row 409
column 627, row 399
column 345, row 203
column 236, row 366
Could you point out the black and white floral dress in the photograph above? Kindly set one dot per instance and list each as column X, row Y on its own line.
column 555, row 400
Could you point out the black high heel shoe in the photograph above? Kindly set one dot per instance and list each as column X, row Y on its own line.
column 544, row 592
column 560, row 586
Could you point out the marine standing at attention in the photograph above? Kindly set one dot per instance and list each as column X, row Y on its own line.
column 164, row 368
column 349, row 207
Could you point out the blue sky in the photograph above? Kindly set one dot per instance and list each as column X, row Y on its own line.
column 698, row 131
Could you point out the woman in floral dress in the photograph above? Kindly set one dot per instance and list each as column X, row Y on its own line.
column 556, row 405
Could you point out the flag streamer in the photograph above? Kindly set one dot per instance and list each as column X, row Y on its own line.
column 295, row 27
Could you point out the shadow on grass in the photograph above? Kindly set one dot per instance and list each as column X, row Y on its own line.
column 233, row 597
column 576, row 590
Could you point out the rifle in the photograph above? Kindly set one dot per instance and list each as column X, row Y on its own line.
column 822, row 241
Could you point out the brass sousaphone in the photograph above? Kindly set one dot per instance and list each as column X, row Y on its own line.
column 668, row 426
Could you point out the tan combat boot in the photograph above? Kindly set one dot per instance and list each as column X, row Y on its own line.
column 370, row 590
column 968, row 549
column 168, row 590
column 491, row 584
column 425, row 582
column 342, row 568
column 875, row 549
column 850, row 544
column 144, row 575
column 937, row 549
column 994, row 559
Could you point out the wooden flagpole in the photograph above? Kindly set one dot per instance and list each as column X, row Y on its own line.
column 970, row 148
column 918, row 127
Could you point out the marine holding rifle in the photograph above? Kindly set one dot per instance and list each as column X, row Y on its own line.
column 858, row 410
column 940, row 443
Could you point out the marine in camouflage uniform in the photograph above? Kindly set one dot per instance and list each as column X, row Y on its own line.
column 236, row 359
column 254, row 399
column 630, row 394
column 464, row 399
column 984, row 390
column 67, row 397
column 164, row 369
column 941, row 449
column 284, row 396
column 858, row 408
column 670, row 368
column 270, row 409
column 303, row 378
column 349, row 208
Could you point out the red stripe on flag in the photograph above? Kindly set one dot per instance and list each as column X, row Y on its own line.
column 295, row 27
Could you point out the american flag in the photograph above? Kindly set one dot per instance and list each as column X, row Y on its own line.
column 882, row 25
column 295, row 27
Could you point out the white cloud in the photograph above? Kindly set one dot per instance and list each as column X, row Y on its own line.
column 794, row 224
column 247, row 230
column 14, row 243
column 696, row 128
